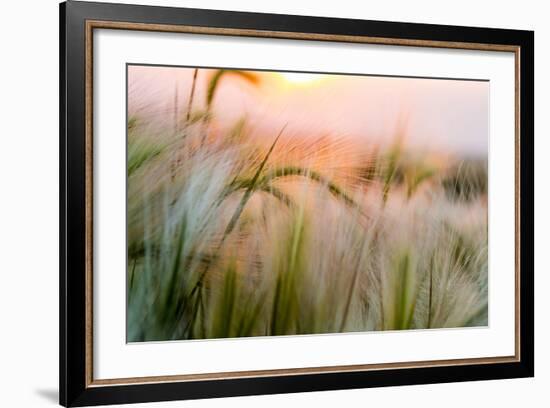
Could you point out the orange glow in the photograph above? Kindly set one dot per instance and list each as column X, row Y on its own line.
column 300, row 78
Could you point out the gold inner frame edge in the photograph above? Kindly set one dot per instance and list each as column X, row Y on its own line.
column 99, row 24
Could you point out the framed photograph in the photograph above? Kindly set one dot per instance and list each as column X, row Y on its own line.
column 257, row 203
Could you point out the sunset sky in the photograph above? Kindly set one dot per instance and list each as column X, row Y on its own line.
column 449, row 116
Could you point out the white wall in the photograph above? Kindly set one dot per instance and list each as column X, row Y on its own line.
column 29, row 205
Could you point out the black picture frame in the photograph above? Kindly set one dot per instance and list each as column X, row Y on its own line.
column 75, row 386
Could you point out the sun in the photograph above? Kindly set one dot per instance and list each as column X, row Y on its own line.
column 300, row 78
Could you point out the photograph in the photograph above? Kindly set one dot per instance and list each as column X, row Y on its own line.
column 266, row 203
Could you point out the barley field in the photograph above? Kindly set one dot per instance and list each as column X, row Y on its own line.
column 247, row 224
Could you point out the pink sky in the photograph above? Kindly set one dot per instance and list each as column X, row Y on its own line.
column 441, row 115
